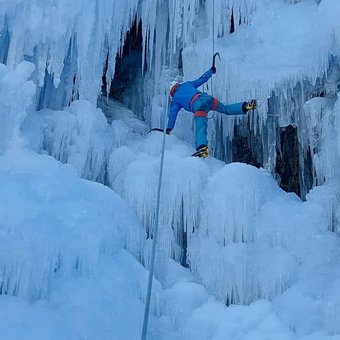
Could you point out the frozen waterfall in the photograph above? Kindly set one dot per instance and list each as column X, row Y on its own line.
column 238, row 257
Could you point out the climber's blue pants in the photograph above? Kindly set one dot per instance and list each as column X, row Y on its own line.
column 201, row 106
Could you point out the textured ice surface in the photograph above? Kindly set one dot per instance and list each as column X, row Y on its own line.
column 54, row 224
column 281, row 46
column 266, row 254
column 243, row 238
column 64, row 271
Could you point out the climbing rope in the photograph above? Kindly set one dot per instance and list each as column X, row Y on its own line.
column 213, row 53
column 155, row 231
column 213, row 23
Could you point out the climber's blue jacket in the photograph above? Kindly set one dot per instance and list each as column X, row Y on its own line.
column 183, row 95
column 185, row 92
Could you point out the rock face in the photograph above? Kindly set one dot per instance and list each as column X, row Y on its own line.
column 287, row 160
column 247, row 147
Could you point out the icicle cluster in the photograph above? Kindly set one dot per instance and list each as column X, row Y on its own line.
column 44, row 234
column 70, row 43
column 67, row 41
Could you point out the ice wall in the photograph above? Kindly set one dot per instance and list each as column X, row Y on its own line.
column 283, row 73
column 262, row 242
column 43, row 240
column 67, row 41
column 234, row 217
column 65, row 269
column 70, row 42
column 39, row 237
column 284, row 79
column 79, row 136
column 65, row 272
column 73, row 44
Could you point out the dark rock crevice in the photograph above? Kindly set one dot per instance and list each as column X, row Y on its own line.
column 286, row 144
column 246, row 146
column 287, row 165
column 128, row 78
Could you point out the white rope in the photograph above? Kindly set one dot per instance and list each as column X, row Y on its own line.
column 213, row 27
column 155, row 232
column 213, row 44
column 213, row 52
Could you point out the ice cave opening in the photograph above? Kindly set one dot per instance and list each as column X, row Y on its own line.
column 127, row 81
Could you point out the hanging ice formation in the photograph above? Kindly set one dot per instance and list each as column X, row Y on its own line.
column 72, row 47
column 241, row 236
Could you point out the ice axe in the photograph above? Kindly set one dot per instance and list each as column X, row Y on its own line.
column 213, row 68
column 167, row 131
column 155, row 129
column 214, row 58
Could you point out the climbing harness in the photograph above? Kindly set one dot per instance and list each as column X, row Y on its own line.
column 155, row 229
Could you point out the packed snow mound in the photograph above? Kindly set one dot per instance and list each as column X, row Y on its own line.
column 262, row 242
column 56, row 225
column 105, row 305
column 65, row 271
column 66, row 274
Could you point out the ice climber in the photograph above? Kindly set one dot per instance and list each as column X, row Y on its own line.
column 186, row 95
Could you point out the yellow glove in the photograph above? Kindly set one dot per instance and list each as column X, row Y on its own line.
column 252, row 105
